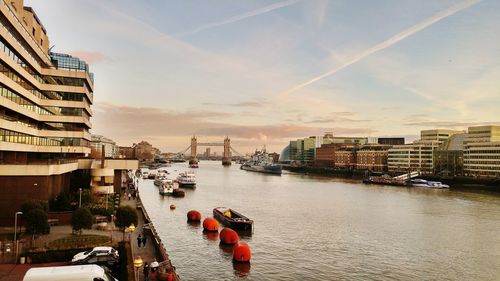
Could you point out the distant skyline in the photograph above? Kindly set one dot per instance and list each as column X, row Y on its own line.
column 264, row 72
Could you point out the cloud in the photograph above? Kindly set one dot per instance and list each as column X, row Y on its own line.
column 128, row 124
column 388, row 42
column 90, row 57
column 450, row 124
column 239, row 104
column 240, row 17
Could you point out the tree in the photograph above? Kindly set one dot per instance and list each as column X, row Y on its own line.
column 82, row 219
column 60, row 203
column 34, row 204
column 125, row 216
column 36, row 222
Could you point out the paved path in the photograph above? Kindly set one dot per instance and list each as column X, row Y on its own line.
column 147, row 253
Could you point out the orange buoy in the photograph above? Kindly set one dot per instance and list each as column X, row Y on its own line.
column 172, row 207
column 241, row 252
column 194, row 215
column 228, row 236
column 210, row 224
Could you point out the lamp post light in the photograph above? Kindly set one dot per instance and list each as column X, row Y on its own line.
column 15, row 234
column 137, row 264
column 80, row 204
column 131, row 228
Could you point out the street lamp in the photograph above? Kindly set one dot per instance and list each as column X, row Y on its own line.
column 15, row 232
column 80, row 204
column 137, row 264
column 131, row 228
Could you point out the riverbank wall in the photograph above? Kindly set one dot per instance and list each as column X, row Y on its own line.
column 459, row 183
column 160, row 250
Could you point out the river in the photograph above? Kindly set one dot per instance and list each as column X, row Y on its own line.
column 320, row 228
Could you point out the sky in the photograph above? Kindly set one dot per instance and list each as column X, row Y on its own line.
column 263, row 72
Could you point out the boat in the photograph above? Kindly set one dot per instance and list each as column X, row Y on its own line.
column 160, row 176
column 186, row 179
column 193, row 165
column 152, row 174
column 428, row 184
column 385, row 180
column 232, row 219
column 145, row 174
column 166, row 187
column 261, row 162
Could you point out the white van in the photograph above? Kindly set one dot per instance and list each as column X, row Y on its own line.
column 87, row 272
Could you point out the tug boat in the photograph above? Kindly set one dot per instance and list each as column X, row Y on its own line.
column 232, row 219
column 160, row 176
column 186, row 179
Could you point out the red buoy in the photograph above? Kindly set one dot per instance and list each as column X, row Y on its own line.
column 194, row 215
column 241, row 252
column 210, row 224
column 228, row 236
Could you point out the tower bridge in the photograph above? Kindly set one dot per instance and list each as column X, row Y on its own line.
column 226, row 156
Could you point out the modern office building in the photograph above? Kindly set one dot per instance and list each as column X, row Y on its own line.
column 110, row 148
column 45, row 110
column 418, row 156
column 449, row 156
column 482, row 152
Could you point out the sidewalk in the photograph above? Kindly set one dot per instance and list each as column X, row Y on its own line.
column 147, row 253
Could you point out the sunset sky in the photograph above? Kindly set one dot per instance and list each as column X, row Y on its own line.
column 263, row 72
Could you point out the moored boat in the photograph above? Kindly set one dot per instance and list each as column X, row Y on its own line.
column 166, row 187
column 428, row 184
column 193, row 165
column 232, row 218
column 186, row 179
column 261, row 162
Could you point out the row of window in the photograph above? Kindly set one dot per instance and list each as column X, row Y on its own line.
column 48, row 110
column 16, row 137
column 20, row 61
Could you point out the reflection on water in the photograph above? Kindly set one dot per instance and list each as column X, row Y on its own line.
column 210, row 235
column 241, row 269
column 319, row 228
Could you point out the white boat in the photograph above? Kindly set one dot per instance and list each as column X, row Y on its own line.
column 186, row 179
column 160, row 176
column 428, row 184
column 166, row 187
column 145, row 174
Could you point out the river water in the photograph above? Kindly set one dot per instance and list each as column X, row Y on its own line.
column 318, row 228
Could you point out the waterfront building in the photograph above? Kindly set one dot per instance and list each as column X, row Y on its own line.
column 448, row 157
column 110, row 148
column 345, row 157
column 482, row 152
column 325, row 155
column 45, row 110
column 418, row 156
column 372, row 157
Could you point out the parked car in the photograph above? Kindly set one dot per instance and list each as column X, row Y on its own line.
column 97, row 252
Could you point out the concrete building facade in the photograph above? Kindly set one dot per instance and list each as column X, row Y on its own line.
column 482, row 152
column 110, row 147
column 45, row 110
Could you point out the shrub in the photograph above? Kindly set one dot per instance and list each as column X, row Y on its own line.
column 100, row 211
column 82, row 219
column 34, row 204
column 125, row 216
column 54, row 256
column 60, row 203
column 36, row 221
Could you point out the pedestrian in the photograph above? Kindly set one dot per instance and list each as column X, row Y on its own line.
column 144, row 240
column 139, row 240
column 129, row 195
column 145, row 271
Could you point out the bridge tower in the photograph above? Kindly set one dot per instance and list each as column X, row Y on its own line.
column 193, row 159
column 226, row 157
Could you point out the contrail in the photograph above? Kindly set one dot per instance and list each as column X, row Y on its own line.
column 243, row 16
column 389, row 42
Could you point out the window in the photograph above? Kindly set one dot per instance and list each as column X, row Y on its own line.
column 33, row 31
